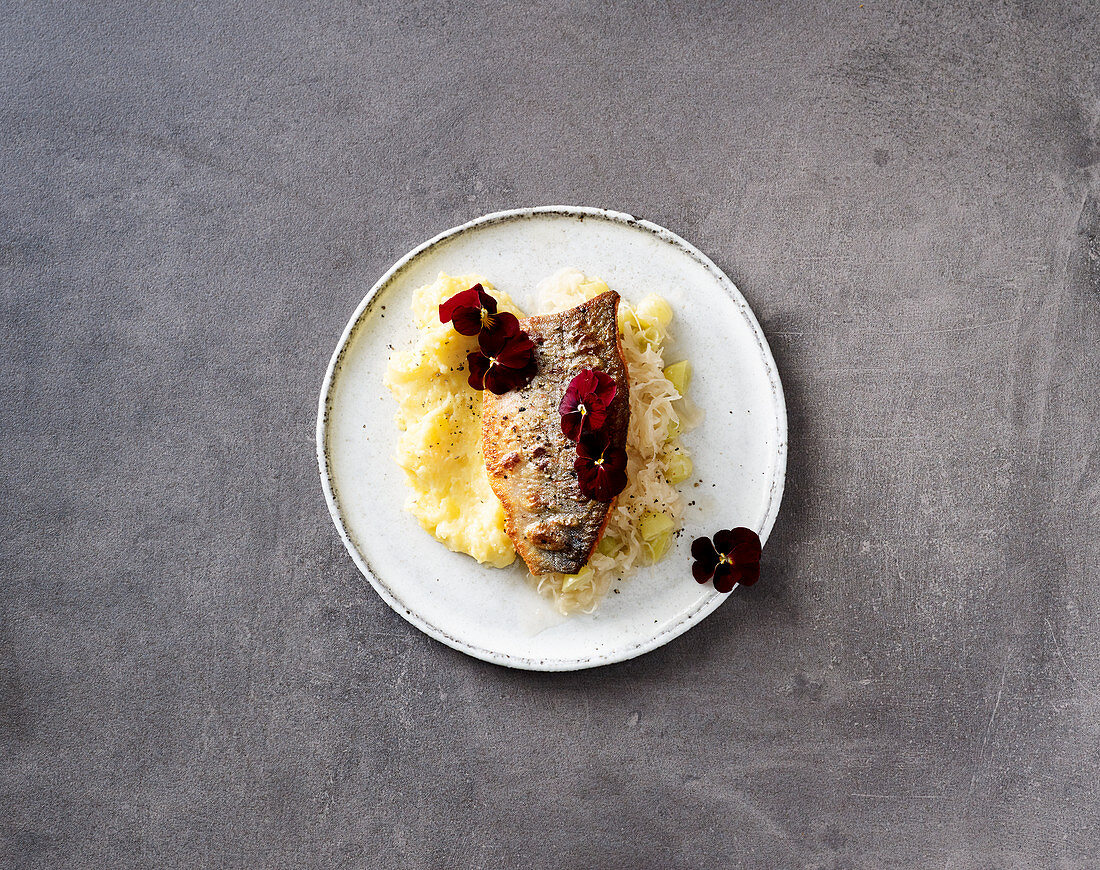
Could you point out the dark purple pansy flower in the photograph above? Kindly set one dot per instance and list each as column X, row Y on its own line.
column 584, row 406
column 732, row 557
column 469, row 310
column 601, row 468
column 504, row 360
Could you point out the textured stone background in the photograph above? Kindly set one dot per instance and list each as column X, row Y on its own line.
column 194, row 197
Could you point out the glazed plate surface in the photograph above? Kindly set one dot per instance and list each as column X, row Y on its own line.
column 739, row 449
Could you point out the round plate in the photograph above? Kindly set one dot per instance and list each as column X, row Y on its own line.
column 739, row 450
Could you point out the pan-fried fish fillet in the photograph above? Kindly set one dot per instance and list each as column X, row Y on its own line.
column 529, row 461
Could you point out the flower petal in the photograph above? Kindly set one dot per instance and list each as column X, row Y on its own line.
column 501, row 379
column 594, row 387
column 492, row 341
column 702, row 571
column 577, row 422
column 465, row 299
column 614, row 459
column 750, row 573
column 725, row 577
column 571, row 398
column 604, row 389
column 724, row 541
column 596, row 418
column 572, row 424
column 703, row 551
column 592, row 445
column 517, row 352
column 616, row 483
column 746, row 546
column 585, row 381
column 466, row 321
column 485, row 300
column 497, row 380
column 501, row 327
column 478, row 365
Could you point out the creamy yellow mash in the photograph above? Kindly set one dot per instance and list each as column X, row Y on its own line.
column 439, row 415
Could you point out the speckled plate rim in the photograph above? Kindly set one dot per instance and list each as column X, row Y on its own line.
column 706, row 605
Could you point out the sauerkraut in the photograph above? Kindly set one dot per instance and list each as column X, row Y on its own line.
column 649, row 511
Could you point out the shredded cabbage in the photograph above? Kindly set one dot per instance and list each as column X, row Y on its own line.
column 649, row 511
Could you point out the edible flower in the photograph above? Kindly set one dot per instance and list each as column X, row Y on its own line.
column 504, row 360
column 601, row 468
column 584, row 406
column 732, row 557
column 470, row 311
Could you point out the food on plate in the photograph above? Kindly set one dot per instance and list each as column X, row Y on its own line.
column 530, row 460
column 649, row 510
column 439, row 415
column 627, row 464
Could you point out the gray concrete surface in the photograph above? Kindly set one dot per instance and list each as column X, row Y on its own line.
column 194, row 198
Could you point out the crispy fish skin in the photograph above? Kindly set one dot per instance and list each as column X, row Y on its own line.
column 529, row 461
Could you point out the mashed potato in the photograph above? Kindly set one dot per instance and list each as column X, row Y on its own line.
column 439, row 415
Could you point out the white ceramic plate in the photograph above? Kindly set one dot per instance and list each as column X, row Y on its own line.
column 739, row 450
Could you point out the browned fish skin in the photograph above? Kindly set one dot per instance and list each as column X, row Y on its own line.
column 530, row 462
